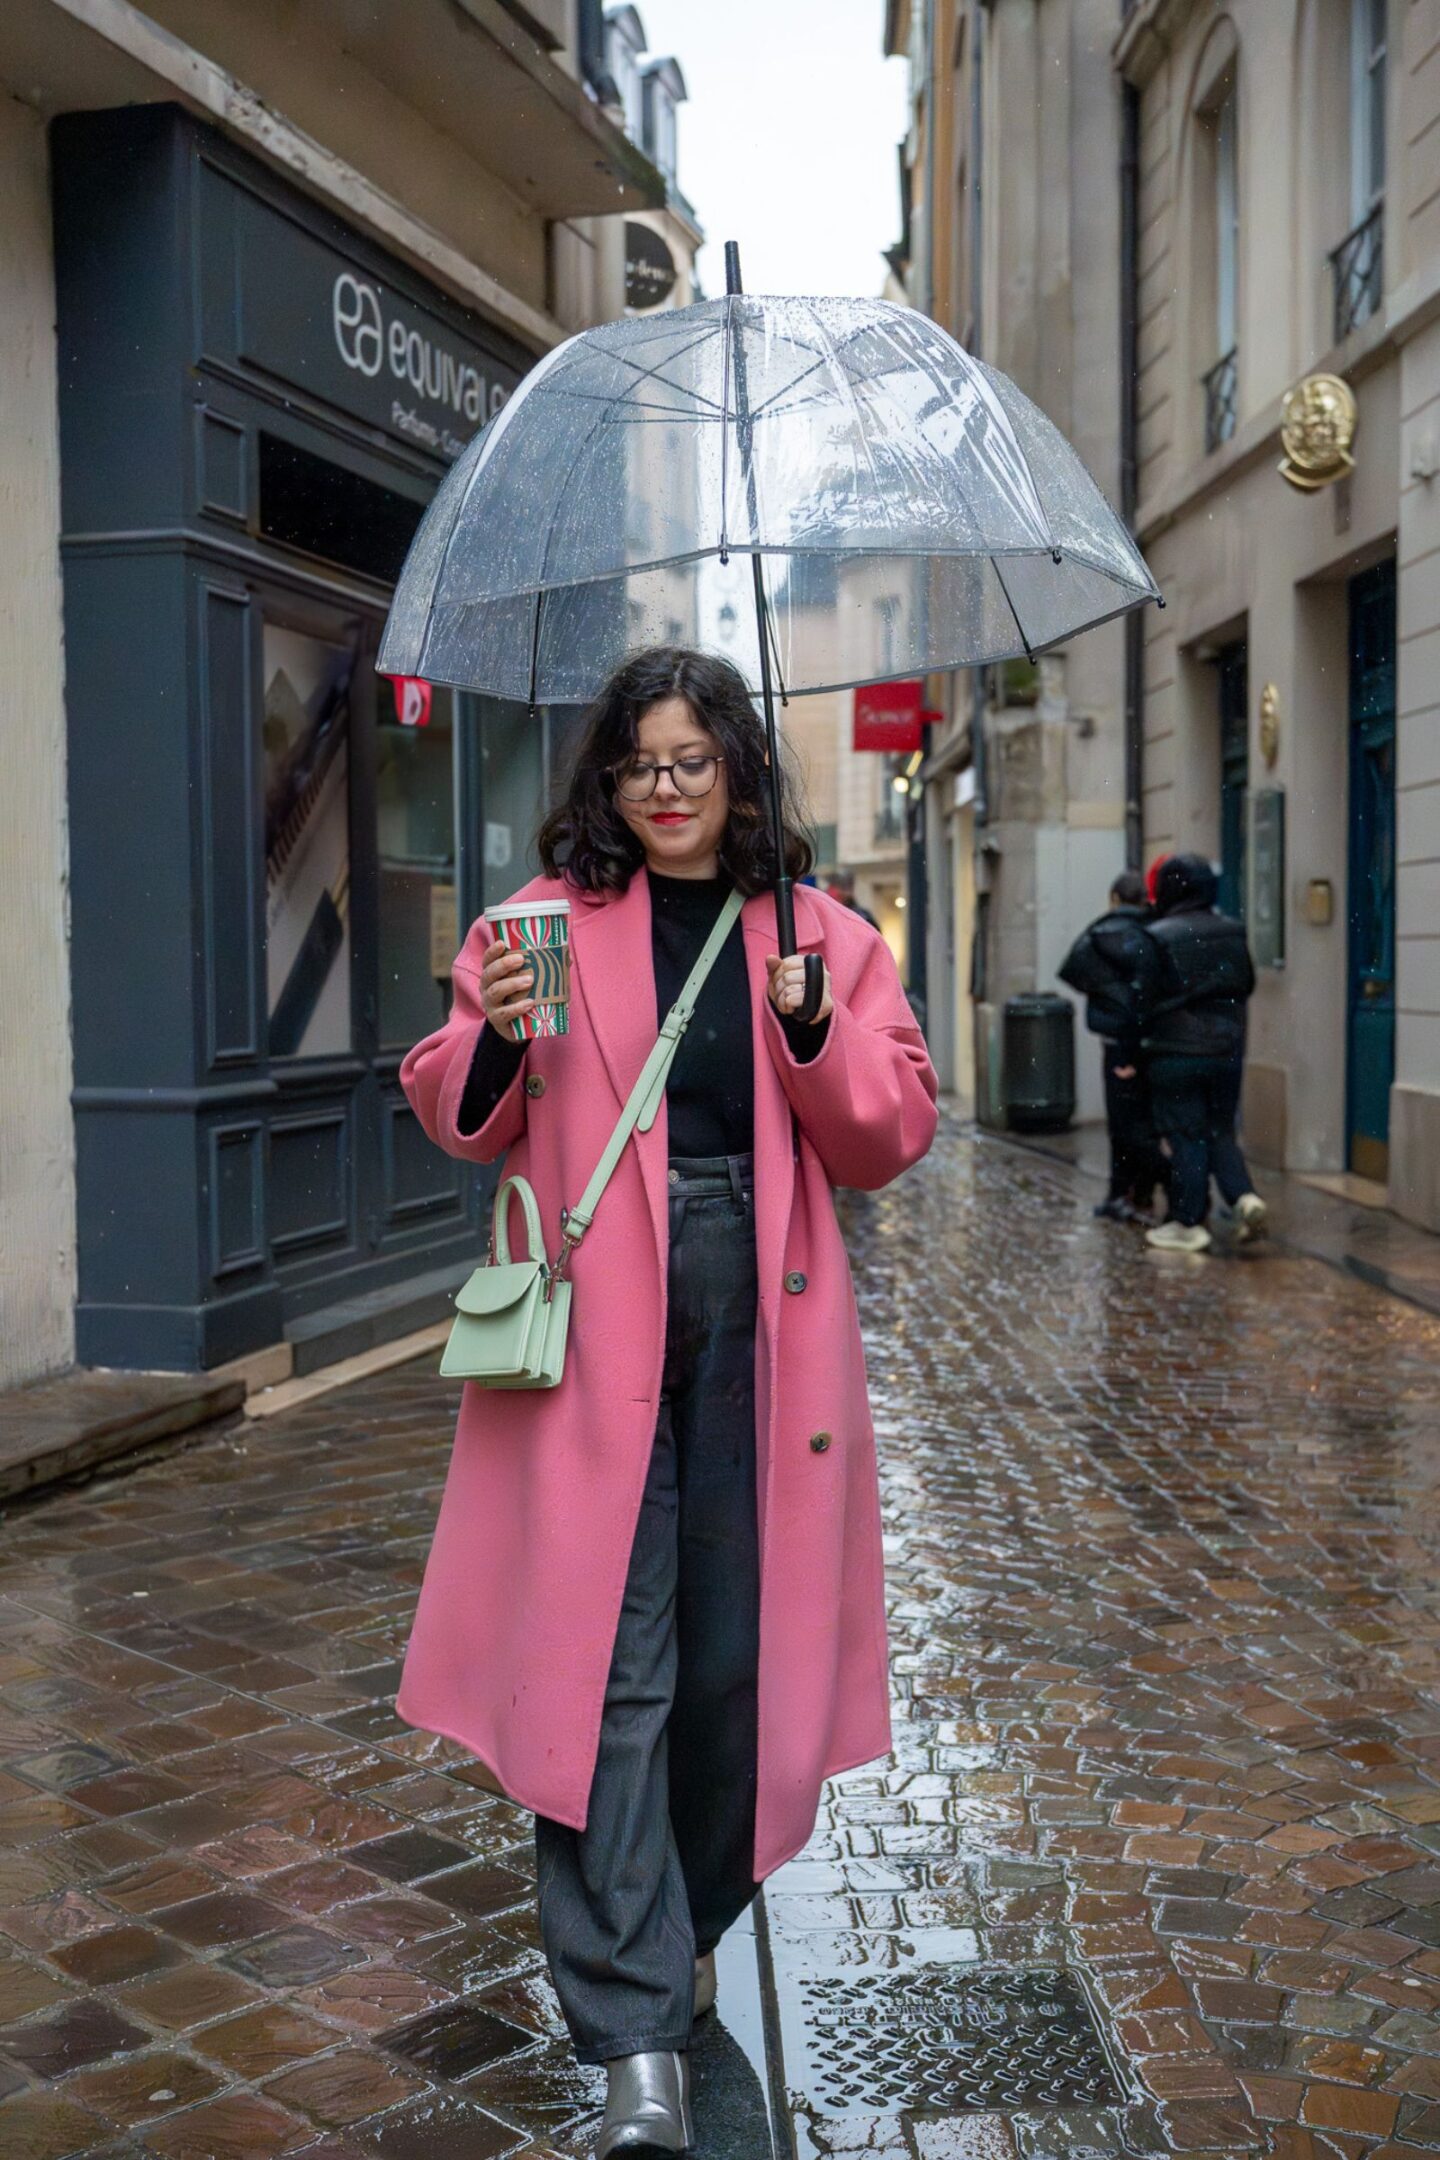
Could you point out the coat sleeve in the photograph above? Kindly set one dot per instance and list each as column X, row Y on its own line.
column 434, row 1073
column 866, row 1102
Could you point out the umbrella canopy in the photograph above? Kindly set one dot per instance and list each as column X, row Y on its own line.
column 914, row 511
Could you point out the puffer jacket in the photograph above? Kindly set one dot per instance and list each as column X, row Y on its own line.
column 1194, row 992
column 1107, row 964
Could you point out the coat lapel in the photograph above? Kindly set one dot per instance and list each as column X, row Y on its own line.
column 774, row 1153
column 614, row 976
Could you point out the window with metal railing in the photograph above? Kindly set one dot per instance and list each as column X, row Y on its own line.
column 1358, row 266
column 1219, row 385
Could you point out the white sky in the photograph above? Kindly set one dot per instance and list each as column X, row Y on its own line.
column 788, row 142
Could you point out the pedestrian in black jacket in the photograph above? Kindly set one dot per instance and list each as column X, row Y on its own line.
column 1106, row 965
column 1193, row 994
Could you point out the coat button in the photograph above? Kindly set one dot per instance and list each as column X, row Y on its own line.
column 795, row 1282
column 819, row 1441
column 535, row 1085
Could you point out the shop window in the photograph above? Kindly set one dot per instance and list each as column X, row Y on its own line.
column 515, row 759
column 415, row 834
column 309, row 684
column 310, row 503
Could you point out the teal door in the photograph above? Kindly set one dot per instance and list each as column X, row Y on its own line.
column 1371, row 885
column 1234, row 671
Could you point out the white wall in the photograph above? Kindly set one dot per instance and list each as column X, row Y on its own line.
column 37, row 1186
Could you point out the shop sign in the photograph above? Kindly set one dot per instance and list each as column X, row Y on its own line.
column 412, row 700
column 650, row 271
column 301, row 310
column 889, row 716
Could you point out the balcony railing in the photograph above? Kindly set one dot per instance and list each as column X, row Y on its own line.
column 1219, row 386
column 890, row 820
column 1359, row 267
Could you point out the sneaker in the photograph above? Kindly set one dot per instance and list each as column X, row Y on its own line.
column 1179, row 1237
column 1112, row 1211
column 1250, row 1212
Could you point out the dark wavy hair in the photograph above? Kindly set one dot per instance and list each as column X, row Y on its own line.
column 585, row 838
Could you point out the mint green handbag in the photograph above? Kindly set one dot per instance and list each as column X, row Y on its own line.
column 512, row 1317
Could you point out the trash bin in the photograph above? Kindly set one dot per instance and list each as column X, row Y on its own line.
column 1039, row 1062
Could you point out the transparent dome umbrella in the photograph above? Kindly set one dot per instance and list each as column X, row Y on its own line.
column 903, row 508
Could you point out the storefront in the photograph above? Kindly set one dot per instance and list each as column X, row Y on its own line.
column 268, row 867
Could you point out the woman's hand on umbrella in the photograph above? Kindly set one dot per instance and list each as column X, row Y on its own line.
column 787, row 986
column 506, row 981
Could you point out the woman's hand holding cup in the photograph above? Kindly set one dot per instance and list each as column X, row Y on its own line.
column 506, row 980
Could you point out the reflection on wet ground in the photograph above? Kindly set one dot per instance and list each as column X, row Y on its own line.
column 1162, row 1561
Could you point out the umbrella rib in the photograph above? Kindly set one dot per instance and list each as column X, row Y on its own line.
column 846, row 390
column 535, row 644
column 653, row 374
column 725, row 437
column 821, row 360
column 1029, row 650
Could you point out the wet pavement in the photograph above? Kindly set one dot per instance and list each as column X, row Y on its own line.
column 1155, row 1867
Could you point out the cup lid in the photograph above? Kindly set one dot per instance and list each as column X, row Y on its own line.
column 503, row 910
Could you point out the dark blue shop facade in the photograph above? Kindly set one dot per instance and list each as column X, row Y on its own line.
column 270, row 871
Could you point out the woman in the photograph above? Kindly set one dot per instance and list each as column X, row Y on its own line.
column 654, row 1605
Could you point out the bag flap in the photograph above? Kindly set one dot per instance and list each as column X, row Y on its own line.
column 496, row 1289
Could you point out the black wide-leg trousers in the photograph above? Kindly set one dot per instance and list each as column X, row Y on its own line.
column 665, row 1862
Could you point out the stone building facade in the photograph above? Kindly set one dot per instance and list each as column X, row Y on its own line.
column 1289, row 218
column 1011, row 239
column 1205, row 237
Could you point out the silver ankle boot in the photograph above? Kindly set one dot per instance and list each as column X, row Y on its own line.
column 647, row 2107
column 705, row 1984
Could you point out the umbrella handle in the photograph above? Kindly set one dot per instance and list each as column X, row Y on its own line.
column 809, row 1005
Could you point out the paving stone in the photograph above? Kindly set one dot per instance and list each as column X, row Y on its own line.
column 338, row 2089
column 46, row 2126
column 145, row 2087
column 83, row 2032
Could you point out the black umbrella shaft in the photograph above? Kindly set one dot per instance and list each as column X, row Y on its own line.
column 784, row 885
column 744, row 429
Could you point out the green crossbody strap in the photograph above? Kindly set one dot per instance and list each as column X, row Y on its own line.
column 643, row 1106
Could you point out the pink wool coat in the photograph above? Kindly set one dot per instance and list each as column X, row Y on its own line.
column 512, row 1641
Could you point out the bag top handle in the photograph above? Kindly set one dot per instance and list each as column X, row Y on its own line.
column 500, row 1221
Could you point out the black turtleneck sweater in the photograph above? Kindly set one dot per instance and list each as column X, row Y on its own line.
column 710, row 1095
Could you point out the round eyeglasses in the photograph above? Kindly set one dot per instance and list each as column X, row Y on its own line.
column 691, row 776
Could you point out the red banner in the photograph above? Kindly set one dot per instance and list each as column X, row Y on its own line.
column 888, row 716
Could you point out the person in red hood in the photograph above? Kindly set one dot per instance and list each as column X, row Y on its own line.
column 1152, row 879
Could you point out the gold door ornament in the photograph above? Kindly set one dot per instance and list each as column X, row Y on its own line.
column 1317, row 430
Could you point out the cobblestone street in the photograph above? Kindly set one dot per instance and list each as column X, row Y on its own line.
column 1166, row 1655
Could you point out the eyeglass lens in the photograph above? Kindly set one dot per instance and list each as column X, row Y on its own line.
column 692, row 776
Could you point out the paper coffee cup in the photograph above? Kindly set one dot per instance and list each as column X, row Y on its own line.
column 541, row 930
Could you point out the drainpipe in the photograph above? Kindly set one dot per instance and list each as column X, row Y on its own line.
column 917, row 818
column 979, row 749
column 1129, row 459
